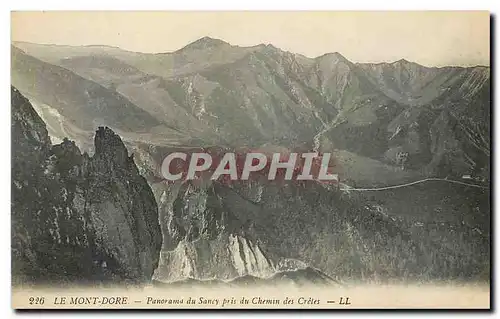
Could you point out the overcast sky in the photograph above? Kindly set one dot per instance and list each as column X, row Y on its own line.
column 430, row 38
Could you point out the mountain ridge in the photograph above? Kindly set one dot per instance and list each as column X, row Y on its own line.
column 233, row 95
column 216, row 40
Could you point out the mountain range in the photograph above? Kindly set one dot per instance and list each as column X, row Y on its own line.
column 385, row 124
column 210, row 92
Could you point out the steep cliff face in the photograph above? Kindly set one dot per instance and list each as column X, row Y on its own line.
column 203, row 240
column 77, row 218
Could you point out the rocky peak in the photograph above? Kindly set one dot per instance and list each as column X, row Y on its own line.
column 77, row 218
column 67, row 147
column 27, row 124
column 334, row 57
column 401, row 61
column 407, row 65
column 110, row 146
column 205, row 43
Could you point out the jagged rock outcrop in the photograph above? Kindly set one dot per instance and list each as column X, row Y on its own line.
column 203, row 240
column 77, row 218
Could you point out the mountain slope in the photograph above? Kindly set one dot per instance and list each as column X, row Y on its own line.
column 250, row 96
column 83, row 102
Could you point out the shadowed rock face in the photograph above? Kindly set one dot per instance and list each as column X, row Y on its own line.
column 204, row 240
column 77, row 218
column 222, row 232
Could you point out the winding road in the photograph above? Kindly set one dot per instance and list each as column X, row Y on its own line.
column 349, row 188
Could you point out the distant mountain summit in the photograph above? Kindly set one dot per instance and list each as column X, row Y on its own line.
column 204, row 43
